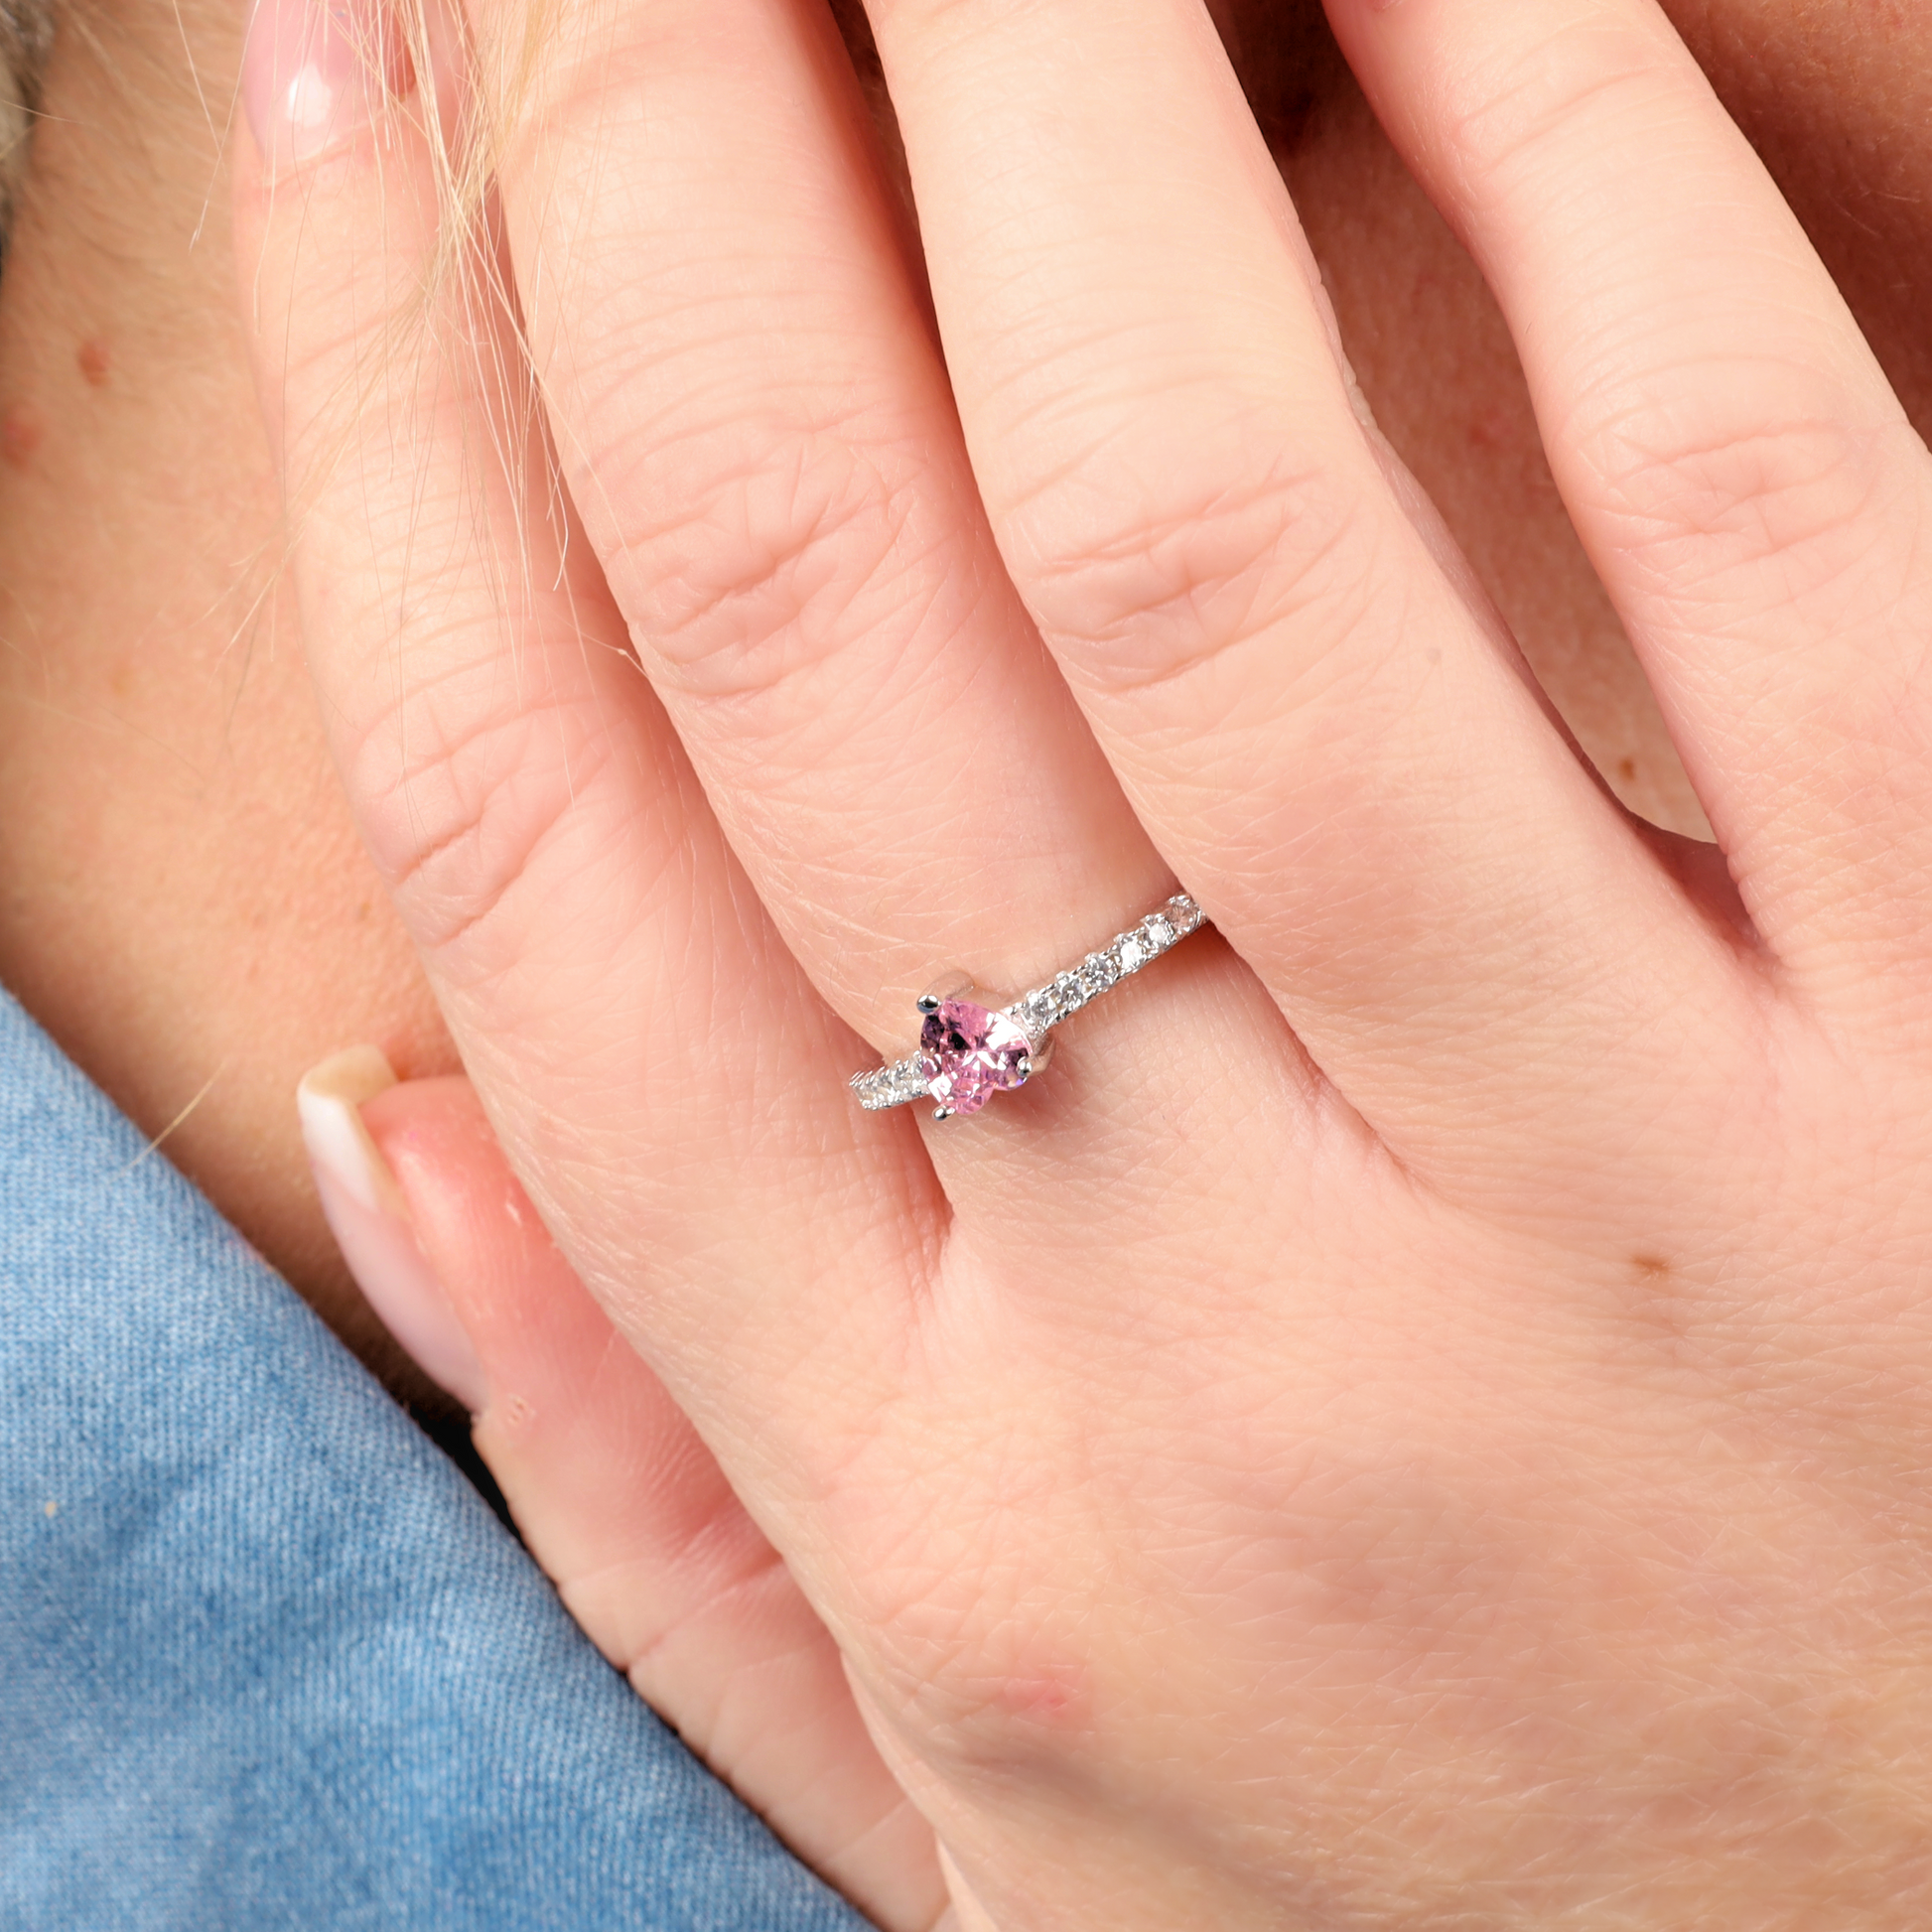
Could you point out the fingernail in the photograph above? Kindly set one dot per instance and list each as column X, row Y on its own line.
column 370, row 1221
column 310, row 75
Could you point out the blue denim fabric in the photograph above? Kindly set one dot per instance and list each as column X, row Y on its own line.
column 266, row 1659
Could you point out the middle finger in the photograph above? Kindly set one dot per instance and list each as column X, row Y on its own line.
column 1332, row 742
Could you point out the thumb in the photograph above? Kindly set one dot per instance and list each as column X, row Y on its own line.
column 615, row 1493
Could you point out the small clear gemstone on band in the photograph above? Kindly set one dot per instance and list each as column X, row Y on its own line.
column 891, row 1086
column 1098, row 971
column 1133, row 951
column 1159, row 934
column 1033, row 1016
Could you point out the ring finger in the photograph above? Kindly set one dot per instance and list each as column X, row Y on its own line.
column 760, row 434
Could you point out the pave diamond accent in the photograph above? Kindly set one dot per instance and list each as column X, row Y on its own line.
column 1098, row 971
column 891, row 1086
column 1034, row 1015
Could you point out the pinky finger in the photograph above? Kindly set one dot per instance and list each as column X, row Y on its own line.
column 615, row 1494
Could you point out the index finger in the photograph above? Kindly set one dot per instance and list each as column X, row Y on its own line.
column 667, row 1082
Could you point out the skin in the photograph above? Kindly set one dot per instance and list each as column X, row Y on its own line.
column 1419, row 1421
column 187, row 908
column 1383, row 253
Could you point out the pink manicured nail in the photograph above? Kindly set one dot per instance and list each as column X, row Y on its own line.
column 310, row 75
column 370, row 1221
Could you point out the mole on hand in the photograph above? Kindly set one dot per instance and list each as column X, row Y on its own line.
column 93, row 360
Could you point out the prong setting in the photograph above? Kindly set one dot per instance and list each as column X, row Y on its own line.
column 969, row 1048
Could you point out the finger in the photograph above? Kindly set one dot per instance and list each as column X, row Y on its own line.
column 613, row 1493
column 759, row 432
column 1331, row 744
column 653, row 1048
column 1740, row 470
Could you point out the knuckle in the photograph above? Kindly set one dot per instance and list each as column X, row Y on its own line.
column 1146, row 570
column 997, row 1680
column 1567, row 91
column 752, row 550
column 465, row 784
column 1702, row 487
column 998, row 1689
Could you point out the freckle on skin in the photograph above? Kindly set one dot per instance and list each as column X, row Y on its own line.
column 1490, row 430
column 1626, row 769
column 1651, row 1267
column 20, row 435
column 92, row 358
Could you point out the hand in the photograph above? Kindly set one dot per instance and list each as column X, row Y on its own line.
column 1417, row 1413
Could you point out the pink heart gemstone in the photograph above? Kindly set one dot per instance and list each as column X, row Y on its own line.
column 968, row 1055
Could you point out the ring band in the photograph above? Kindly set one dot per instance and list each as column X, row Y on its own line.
column 968, row 1053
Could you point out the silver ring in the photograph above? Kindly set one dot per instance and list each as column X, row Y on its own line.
column 969, row 1052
